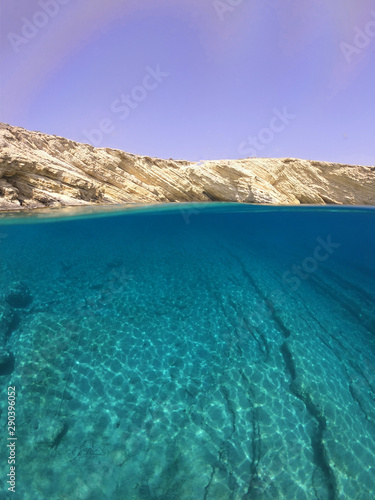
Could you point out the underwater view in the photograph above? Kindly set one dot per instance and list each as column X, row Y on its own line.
column 188, row 352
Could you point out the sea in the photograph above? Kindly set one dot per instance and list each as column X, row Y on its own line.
column 188, row 352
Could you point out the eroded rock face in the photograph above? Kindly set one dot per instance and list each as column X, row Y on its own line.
column 39, row 170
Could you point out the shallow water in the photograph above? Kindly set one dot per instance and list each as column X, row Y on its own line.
column 195, row 352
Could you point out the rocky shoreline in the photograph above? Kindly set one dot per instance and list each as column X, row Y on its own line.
column 39, row 170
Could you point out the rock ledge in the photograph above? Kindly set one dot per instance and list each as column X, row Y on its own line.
column 39, row 170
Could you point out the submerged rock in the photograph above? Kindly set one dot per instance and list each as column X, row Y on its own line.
column 8, row 320
column 19, row 296
column 6, row 362
column 4, row 356
column 51, row 432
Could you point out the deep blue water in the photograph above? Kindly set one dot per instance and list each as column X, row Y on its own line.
column 208, row 352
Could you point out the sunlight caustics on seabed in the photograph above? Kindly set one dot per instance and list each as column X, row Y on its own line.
column 208, row 352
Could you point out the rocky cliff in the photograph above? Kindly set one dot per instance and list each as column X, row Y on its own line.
column 39, row 170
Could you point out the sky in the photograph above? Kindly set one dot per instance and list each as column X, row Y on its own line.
column 195, row 79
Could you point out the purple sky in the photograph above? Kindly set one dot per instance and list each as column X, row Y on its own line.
column 195, row 79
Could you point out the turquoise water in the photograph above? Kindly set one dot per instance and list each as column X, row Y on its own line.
column 208, row 352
